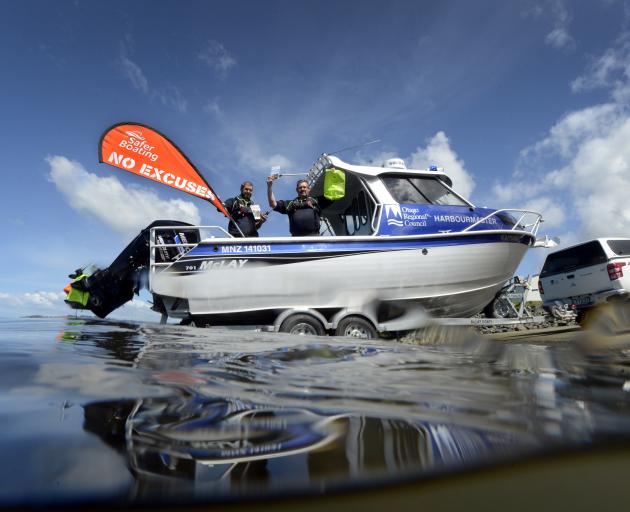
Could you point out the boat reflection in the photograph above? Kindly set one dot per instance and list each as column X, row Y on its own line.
column 231, row 446
column 218, row 415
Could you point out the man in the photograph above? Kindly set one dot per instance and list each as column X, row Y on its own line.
column 245, row 213
column 304, row 211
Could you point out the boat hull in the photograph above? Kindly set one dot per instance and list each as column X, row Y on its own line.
column 448, row 276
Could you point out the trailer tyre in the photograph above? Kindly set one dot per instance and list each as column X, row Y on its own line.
column 356, row 327
column 498, row 308
column 302, row 324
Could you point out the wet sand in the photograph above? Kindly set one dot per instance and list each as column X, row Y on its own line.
column 544, row 336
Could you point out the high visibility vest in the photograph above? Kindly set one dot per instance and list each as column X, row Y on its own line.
column 334, row 184
column 78, row 296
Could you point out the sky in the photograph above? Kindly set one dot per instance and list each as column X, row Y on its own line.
column 526, row 104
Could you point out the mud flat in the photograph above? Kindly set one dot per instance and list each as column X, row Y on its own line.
column 543, row 336
column 449, row 334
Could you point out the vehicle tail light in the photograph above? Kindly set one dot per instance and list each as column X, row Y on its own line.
column 615, row 270
column 540, row 287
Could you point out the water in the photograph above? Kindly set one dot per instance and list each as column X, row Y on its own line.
column 107, row 412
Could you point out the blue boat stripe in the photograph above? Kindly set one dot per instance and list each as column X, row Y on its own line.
column 319, row 249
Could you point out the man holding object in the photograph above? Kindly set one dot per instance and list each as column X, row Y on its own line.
column 304, row 211
column 245, row 213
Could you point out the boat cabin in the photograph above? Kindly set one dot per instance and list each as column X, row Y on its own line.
column 393, row 200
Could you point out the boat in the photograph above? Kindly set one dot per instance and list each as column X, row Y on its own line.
column 399, row 244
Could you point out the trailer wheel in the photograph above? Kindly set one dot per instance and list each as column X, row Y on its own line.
column 302, row 324
column 498, row 308
column 356, row 327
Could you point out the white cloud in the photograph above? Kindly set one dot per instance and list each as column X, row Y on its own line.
column 439, row 152
column 42, row 298
column 592, row 182
column 133, row 72
column 171, row 97
column 251, row 145
column 137, row 310
column 599, row 72
column 217, row 58
column 555, row 10
column 611, row 70
column 125, row 209
column 376, row 160
column 39, row 299
column 213, row 108
column 33, row 303
column 252, row 156
column 138, row 304
column 515, row 192
column 52, row 304
column 570, row 131
column 504, row 193
column 559, row 37
column 598, row 178
column 554, row 211
column 581, row 169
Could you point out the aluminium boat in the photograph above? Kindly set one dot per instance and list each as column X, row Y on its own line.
column 398, row 241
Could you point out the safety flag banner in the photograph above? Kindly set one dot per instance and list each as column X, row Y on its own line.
column 146, row 152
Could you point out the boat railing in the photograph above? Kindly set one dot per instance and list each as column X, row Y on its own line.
column 527, row 220
column 317, row 169
column 155, row 244
column 524, row 220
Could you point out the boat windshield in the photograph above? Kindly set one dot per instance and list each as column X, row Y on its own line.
column 421, row 190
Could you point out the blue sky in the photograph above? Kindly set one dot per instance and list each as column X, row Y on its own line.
column 524, row 103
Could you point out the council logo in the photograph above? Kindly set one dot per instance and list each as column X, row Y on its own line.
column 394, row 215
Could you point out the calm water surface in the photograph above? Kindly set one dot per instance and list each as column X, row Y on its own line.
column 105, row 411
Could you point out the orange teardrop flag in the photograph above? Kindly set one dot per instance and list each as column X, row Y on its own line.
column 144, row 151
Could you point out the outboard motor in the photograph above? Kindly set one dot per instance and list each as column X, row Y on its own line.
column 103, row 290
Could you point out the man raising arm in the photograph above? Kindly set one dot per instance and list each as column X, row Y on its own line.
column 303, row 211
column 270, row 196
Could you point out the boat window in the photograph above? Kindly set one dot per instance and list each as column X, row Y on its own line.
column 619, row 247
column 584, row 255
column 421, row 190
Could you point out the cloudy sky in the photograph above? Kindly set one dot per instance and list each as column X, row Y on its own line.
column 525, row 104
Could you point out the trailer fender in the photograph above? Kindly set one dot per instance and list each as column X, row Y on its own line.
column 368, row 314
column 288, row 312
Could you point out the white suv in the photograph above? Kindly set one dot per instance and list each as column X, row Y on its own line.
column 586, row 274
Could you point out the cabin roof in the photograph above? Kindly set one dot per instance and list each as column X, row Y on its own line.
column 330, row 160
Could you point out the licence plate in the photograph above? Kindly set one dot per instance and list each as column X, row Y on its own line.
column 583, row 300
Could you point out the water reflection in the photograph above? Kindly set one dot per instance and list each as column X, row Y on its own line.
column 210, row 414
column 120, row 342
column 236, row 446
column 255, row 412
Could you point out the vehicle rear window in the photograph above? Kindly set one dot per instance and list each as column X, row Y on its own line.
column 580, row 256
column 619, row 247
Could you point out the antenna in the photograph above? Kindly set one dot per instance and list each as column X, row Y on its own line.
column 354, row 147
column 275, row 173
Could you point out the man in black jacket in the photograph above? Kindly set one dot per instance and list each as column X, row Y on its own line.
column 304, row 211
column 245, row 213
